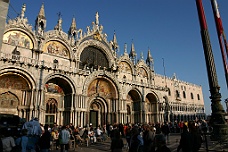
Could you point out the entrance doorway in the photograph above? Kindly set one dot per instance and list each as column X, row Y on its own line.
column 50, row 120
column 94, row 118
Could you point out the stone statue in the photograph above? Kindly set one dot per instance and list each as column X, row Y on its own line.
column 97, row 18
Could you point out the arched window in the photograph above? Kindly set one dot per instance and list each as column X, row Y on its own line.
column 128, row 110
column 51, row 106
column 93, row 57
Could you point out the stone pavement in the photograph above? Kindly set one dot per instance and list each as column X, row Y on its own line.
column 172, row 144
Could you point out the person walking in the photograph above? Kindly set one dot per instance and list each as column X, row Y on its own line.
column 45, row 140
column 136, row 141
column 165, row 130
column 64, row 138
column 117, row 143
column 186, row 141
column 148, row 139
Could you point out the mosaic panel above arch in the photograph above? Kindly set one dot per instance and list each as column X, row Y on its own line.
column 56, row 48
column 103, row 88
column 125, row 67
column 53, row 88
column 12, row 81
column 142, row 72
column 18, row 38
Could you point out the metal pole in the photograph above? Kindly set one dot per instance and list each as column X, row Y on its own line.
column 220, row 129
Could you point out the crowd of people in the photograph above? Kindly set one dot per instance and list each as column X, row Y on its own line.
column 140, row 137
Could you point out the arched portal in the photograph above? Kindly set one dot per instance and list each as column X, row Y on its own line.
column 134, row 98
column 103, row 101
column 151, row 108
column 15, row 92
column 97, row 112
column 58, row 101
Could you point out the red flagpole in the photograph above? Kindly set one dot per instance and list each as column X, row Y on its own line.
column 221, row 37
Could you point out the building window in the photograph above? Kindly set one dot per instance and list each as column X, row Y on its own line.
column 192, row 97
column 51, row 106
column 177, row 94
column 198, row 96
column 169, row 92
column 184, row 95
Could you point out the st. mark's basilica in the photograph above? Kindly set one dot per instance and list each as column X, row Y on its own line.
column 77, row 77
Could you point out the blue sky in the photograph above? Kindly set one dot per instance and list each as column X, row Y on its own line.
column 169, row 28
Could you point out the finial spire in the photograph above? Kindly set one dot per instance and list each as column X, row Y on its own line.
column 114, row 42
column 73, row 26
column 23, row 9
column 125, row 48
column 42, row 13
column 132, row 52
column 40, row 23
column 149, row 60
column 59, row 24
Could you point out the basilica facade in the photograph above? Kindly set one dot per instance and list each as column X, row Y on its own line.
column 77, row 77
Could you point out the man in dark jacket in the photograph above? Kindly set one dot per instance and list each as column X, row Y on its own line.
column 165, row 131
column 45, row 139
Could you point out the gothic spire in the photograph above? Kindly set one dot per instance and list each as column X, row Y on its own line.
column 73, row 27
column 42, row 13
column 114, row 42
column 40, row 24
column 59, row 23
column 149, row 60
column 133, row 54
